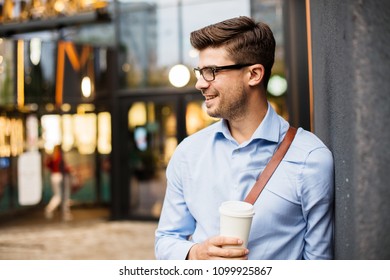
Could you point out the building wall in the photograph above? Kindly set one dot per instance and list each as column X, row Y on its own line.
column 351, row 63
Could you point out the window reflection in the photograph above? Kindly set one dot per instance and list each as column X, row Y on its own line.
column 51, row 134
column 11, row 136
column 137, row 115
column 85, row 132
column 152, row 140
column 104, row 133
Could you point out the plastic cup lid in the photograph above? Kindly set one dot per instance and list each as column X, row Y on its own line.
column 237, row 209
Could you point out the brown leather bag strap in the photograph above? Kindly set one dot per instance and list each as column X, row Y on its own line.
column 271, row 166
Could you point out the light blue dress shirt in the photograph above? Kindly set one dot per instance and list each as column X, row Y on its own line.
column 294, row 213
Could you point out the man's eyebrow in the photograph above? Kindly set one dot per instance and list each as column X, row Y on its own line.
column 208, row 66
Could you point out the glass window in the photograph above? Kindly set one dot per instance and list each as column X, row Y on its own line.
column 152, row 140
column 39, row 65
column 7, row 66
column 153, row 36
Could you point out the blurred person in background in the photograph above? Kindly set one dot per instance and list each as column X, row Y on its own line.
column 60, row 184
column 294, row 213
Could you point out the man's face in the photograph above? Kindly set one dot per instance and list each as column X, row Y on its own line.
column 225, row 96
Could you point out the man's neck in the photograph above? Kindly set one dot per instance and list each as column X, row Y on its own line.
column 242, row 129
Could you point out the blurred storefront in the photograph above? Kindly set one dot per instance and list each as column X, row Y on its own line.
column 95, row 78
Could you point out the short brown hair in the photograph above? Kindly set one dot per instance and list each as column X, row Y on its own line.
column 245, row 41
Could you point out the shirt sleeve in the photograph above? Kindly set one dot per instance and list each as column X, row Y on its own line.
column 176, row 223
column 317, row 195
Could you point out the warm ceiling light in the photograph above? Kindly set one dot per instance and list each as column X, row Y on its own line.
column 86, row 87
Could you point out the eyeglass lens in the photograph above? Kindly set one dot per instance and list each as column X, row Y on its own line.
column 207, row 73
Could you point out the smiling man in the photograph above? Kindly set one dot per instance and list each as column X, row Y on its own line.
column 294, row 213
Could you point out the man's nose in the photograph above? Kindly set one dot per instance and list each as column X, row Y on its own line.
column 201, row 83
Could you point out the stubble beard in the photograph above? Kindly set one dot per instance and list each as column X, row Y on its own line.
column 232, row 104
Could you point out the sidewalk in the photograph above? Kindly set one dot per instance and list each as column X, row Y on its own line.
column 89, row 236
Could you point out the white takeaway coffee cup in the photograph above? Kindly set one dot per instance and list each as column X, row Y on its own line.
column 236, row 220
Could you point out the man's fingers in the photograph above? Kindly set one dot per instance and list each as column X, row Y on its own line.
column 228, row 253
column 225, row 240
column 214, row 248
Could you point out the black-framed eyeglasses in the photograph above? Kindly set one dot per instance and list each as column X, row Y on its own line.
column 208, row 72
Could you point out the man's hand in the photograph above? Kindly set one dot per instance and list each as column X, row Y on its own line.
column 211, row 249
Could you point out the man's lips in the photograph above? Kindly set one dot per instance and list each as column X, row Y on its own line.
column 210, row 97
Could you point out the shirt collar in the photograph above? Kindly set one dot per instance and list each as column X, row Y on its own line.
column 268, row 129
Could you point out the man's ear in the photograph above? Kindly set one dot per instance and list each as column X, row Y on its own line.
column 257, row 74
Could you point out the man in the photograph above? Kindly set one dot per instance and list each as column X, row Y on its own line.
column 293, row 215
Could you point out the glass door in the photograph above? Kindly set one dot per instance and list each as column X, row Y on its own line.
column 150, row 128
column 152, row 138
